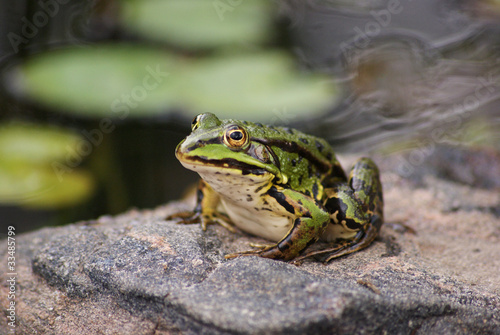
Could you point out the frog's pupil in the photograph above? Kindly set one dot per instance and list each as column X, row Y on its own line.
column 236, row 135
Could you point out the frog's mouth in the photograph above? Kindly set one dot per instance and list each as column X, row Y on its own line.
column 198, row 163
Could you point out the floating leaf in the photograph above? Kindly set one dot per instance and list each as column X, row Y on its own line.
column 118, row 81
column 110, row 80
column 31, row 143
column 200, row 23
column 40, row 187
column 28, row 156
column 263, row 86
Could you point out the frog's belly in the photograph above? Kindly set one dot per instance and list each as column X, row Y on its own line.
column 257, row 221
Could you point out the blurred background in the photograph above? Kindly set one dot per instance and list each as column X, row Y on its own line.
column 95, row 95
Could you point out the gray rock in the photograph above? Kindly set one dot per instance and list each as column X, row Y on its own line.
column 433, row 270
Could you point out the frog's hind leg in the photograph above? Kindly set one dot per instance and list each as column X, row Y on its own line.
column 357, row 208
column 345, row 247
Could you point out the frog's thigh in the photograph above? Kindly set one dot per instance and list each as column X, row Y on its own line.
column 346, row 215
column 364, row 180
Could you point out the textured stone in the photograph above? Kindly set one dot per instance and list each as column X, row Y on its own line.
column 433, row 270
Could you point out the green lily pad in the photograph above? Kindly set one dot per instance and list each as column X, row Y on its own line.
column 198, row 24
column 32, row 167
column 35, row 144
column 122, row 81
column 108, row 80
column 264, row 86
column 40, row 187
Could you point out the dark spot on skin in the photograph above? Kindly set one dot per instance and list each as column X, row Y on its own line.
column 299, row 202
column 294, row 162
column 267, row 209
column 332, row 205
column 300, row 179
column 351, row 224
column 307, row 193
column 258, row 124
column 249, row 198
column 304, row 140
column 281, row 199
column 289, row 130
column 315, row 190
column 245, row 123
column 217, row 172
column 337, row 171
column 257, row 209
column 319, row 146
column 258, row 189
column 329, row 156
column 228, row 174
column 309, row 171
column 264, row 201
column 337, row 205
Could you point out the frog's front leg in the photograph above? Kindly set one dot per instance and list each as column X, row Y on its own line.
column 311, row 219
column 205, row 211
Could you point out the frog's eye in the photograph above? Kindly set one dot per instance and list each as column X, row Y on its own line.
column 235, row 137
column 196, row 123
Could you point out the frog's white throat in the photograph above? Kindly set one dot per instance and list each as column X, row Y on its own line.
column 233, row 184
column 243, row 201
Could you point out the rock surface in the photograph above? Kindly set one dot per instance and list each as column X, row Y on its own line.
column 433, row 270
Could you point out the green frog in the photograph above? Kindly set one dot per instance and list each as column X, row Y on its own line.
column 280, row 184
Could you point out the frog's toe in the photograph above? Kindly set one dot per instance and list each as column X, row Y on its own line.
column 261, row 246
column 184, row 218
column 243, row 253
column 262, row 252
column 224, row 222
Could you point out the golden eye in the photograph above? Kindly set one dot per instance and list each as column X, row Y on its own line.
column 235, row 137
column 196, row 123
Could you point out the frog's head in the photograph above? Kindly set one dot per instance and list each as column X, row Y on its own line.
column 227, row 146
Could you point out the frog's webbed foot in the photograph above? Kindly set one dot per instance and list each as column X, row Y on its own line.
column 345, row 247
column 326, row 255
column 188, row 217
